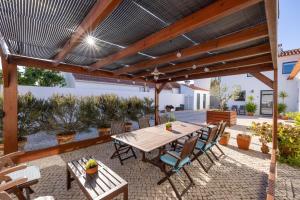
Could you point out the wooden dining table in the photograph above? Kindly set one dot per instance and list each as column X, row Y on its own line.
column 156, row 137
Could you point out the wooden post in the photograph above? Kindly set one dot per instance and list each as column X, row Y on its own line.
column 275, row 109
column 10, row 107
column 156, row 104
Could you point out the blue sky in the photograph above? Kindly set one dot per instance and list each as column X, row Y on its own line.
column 289, row 24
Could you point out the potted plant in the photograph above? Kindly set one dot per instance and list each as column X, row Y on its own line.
column 243, row 141
column 148, row 107
column 169, row 108
column 91, row 167
column 264, row 131
column 65, row 117
column 224, row 139
column 222, row 114
column 282, row 106
column 250, row 106
column 132, row 111
column 169, row 126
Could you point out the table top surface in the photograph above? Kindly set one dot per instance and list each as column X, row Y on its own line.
column 99, row 185
column 148, row 139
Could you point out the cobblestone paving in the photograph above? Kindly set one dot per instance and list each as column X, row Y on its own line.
column 238, row 175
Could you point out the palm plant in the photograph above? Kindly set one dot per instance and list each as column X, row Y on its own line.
column 283, row 95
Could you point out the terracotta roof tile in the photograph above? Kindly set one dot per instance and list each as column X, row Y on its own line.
column 193, row 87
column 289, row 52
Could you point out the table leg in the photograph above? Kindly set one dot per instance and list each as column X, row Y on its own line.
column 68, row 179
column 125, row 193
column 27, row 193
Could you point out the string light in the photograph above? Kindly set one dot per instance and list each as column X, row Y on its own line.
column 90, row 40
column 178, row 54
column 206, row 69
column 194, row 66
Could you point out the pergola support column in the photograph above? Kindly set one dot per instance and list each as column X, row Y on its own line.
column 10, row 106
column 158, row 89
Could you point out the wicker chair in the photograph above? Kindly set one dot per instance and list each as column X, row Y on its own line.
column 143, row 122
column 120, row 147
column 178, row 161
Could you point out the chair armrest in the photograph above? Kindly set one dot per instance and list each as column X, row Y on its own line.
column 4, row 196
column 12, row 155
column 7, row 160
column 11, row 184
column 173, row 155
column 12, row 169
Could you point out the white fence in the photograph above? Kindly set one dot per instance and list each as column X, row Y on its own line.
column 165, row 98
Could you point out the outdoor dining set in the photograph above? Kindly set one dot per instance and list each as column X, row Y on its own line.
column 171, row 150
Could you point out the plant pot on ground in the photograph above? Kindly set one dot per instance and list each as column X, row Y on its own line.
column 250, row 106
column 243, row 141
column 224, row 139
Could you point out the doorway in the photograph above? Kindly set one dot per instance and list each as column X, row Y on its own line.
column 198, row 101
column 266, row 102
column 204, row 101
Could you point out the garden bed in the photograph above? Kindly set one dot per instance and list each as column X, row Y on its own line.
column 215, row 116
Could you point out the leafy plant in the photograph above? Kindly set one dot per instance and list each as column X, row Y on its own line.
column 282, row 108
column 263, row 130
column 89, row 113
column 250, row 105
column 172, row 117
column 65, row 114
column 169, row 125
column 110, row 109
column 283, row 95
column 91, row 163
column 148, row 106
column 134, row 107
column 292, row 115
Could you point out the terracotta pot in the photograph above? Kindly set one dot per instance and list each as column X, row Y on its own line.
column 128, row 126
column 63, row 138
column 92, row 171
column 103, row 131
column 21, row 143
column 243, row 141
column 284, row 117
column 250, row 114
column 264, row 148
column 224, row 139
column 169, row 128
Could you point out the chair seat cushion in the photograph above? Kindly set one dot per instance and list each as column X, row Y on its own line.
column 170, row 160
column 200, row 145
column 204, row 136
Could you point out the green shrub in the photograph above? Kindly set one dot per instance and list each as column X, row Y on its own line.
column 89, row 113
column 250, row 105
column 281, row 108
column 110, row 108
column 292, row 115
column 263, row 130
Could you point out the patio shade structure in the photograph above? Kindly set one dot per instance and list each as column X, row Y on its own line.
column 128, row 39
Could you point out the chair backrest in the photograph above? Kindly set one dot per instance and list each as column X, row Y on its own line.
column 212, row 132
column 188, row 147
column 4, row 196
column 143, row 122
column 163, row 119
column 117, row 127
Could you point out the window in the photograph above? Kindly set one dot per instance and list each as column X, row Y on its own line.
column 288, row 67
column 241, row 96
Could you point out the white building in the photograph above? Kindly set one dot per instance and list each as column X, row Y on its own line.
column 263, row 95
column 195, row 98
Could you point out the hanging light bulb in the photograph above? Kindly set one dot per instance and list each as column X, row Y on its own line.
column 194, row 66
column 133, row 82
column 206, row 69
column 155, row 77
column 170, row 79
column 178, row 54
column 186, row 76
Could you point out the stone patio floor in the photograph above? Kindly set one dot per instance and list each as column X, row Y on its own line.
column 238, row 175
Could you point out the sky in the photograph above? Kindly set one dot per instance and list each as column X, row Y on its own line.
column 289, row 24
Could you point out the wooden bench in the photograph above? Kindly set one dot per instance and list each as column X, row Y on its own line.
column 106, row 184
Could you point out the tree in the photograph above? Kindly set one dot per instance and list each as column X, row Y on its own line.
column 39, row 77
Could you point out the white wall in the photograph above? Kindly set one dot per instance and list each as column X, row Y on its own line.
column 254, row 86
column 203, row 83
column 165, row 98
column 191, row 98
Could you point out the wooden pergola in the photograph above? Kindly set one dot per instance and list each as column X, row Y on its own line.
column 185, row 40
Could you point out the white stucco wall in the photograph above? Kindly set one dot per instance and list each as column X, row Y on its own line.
column 253, row 86
column 191, row 98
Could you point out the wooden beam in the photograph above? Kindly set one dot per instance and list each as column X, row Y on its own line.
column 156, row 105
column 246, row 35
column 200, row 18
column 10, row 107
column 231, row 65
column 224, row 57
column 230, row 72
column 99, row 12
column 271, row 8
column 48, row 64
column 4, row 71
column 263, row 79
column 295, row 71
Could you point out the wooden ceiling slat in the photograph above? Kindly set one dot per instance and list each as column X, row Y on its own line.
column 224, row 57
column 100, row 11
column 209, row 14
column 227, row 72
column 237, row 64
column 246, row 35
